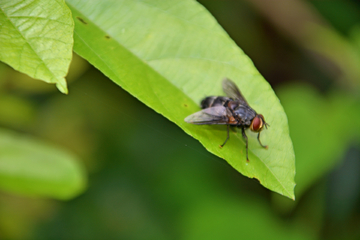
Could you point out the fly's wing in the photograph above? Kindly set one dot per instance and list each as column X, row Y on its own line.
column 212, row 115
column 233, row 91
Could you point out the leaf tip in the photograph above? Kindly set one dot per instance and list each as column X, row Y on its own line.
column 291, row 195
column 62, row 86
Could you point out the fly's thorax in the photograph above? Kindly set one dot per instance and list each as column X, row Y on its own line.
column 244, row 114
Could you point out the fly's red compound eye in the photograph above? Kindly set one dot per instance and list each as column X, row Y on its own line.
column 256, row 124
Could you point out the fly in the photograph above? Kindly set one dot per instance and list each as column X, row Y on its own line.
column 232, row 110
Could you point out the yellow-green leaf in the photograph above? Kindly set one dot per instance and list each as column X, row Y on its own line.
column 36, row 38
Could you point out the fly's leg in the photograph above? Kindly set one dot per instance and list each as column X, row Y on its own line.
column 246, row 140
column 227, row 137
column 264, row 146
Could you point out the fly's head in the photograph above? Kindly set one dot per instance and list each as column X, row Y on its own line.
column 258, row 123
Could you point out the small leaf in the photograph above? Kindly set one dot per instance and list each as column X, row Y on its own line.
column 36, row 38
column 170, row 56
column 33, row 168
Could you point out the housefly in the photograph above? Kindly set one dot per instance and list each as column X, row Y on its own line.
column 232, row 110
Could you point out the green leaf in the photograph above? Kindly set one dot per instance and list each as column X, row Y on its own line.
column 33, row 168
column 322, row 128
column 36, row 38
column 170, row 56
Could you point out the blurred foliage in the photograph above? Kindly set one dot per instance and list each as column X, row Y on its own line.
column 319, row 140
column 149, row 180
column 30, row 167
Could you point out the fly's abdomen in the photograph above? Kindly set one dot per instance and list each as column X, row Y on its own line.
column 213, row 101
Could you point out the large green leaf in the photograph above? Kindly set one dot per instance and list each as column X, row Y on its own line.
column 170, row 55
column 36, row 38
column 33, row 168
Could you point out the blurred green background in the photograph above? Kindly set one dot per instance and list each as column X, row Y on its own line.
column 147, row 179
